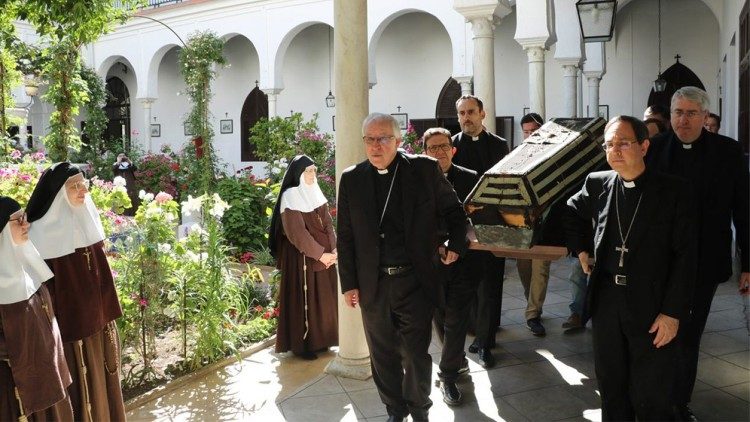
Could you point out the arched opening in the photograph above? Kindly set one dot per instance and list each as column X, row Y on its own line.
column 118, row 112
column 255, row 107
column 677, row 76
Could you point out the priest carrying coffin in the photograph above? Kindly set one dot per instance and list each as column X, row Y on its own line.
column 33, row 372
column 68, row 233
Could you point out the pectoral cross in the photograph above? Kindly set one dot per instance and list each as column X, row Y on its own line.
column 623, row 250
column 88, row 258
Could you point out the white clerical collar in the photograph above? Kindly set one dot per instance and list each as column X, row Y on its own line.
column 628, row 184
column 475, row 138
column 383, row 171
column 687, row 146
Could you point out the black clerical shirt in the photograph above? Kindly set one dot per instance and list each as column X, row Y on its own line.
column 478, row 155
column 628, row 201
column 391, row 230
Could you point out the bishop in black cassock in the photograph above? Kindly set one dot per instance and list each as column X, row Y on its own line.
column 644, row 253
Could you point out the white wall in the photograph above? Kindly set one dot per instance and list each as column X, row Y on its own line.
column 414, row 57
column 632, row 55
column 171, row 106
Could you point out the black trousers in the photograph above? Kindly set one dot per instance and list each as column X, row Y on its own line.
column 491, row 271
column 452, row 322
column 689, row 341
column 635, row 378
column 398, row 333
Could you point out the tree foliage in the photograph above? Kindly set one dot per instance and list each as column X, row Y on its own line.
column 67, row 25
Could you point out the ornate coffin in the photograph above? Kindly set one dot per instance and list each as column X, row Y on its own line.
column 527, row 182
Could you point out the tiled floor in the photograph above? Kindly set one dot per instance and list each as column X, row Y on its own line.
column 537, row 379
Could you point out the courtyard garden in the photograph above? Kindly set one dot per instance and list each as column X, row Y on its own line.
column 195, row 279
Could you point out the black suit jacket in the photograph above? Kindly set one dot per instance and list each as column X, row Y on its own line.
column 463, row 180
column 721, row 193
column 660, row 265
column 496, row 147
column 427, row 198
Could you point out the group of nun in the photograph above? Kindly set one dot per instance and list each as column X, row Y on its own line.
column 59, row 346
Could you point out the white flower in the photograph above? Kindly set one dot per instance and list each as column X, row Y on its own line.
column 170, row 217
column 120, row 181
column 275, row 170
column 192, row 204
column 195, row 228
column 122, row 189
column 152, row 212
column 141, row 194
column 164, row 247
column 148, row 197
column 219, row 206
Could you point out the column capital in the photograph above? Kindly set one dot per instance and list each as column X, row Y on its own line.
column 535, row 53
column 488, row 9
column 593, row 75
column 483, row 27
column 570, row 70
column 147, row 101
column 272, row 91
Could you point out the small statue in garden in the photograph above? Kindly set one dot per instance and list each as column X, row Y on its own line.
column 126, row 169
column 33, row 374
column 302, row 240
column 67, row 230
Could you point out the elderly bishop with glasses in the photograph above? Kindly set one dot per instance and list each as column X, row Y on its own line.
column 389, row 212
column 644, row 253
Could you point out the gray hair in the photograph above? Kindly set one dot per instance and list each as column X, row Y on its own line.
column 382, row 117
column 693, row 94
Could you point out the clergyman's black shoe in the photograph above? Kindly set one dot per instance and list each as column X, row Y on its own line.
column 473, row 347
column 685, row 414
column 451, row 393
column 464, row 368
column 485, row 358
column 394, row 418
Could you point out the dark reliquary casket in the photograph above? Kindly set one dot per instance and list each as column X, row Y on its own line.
column 527, row 182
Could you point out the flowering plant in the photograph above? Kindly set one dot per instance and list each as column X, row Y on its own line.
column 157, row 173
column 411, row 141
column 18, row 179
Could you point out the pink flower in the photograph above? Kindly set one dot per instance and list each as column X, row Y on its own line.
column 16, row 154
column 38, row 156
column 114, row 274
column 163, row 197
column 119, row 220
column 24, row 177
column 143, row 302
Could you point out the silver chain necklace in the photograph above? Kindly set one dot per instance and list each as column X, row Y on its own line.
column 623, row 250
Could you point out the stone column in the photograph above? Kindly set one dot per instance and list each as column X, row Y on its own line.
column 593, row 82
column 147, row 102
column 465, row 82
column 484, row 66
column 273, row 94
column 536, row 79
column 570, row 91
column 579, row 90
column 352, row 106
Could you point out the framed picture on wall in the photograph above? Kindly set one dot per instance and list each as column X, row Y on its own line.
column 333, row 123
column 186, row 129
column 402, row 119
column 226, row 126
column 604, row 111
column 525, row 111
column 155, row 130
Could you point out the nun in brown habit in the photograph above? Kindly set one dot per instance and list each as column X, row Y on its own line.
column 33, row 374
column 302, row 240
column 67, row 231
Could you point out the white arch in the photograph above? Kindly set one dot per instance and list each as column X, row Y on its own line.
column 709, row 4
column 110, row 61
column 453, row 23
column 151, row 88
column 278, row 61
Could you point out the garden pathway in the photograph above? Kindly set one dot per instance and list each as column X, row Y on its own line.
column 538, row 379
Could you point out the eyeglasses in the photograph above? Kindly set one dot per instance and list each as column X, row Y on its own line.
column 622, row 145
column 382, row 140
column 19, row 216
column 442, row 147
column 80, row 185
column 689, row 114
column 311, row 170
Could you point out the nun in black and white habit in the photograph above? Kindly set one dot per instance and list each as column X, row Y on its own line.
column 67, row 231
column 33, row 374
column 302, row 240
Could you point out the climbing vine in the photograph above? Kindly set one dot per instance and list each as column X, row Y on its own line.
column 197, row 62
